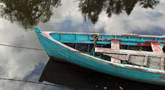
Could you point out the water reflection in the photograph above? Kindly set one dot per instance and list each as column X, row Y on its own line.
column 92, row 8
column 78, row 78
column 28, row 13
column 28, row 64
column 149, row 3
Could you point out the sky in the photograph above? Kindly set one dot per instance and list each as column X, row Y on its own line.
column 21, row 64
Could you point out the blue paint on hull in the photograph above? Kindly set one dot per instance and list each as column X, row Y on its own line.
column 130, row 72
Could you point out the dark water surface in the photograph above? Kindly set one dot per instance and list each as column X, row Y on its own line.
column 18, row 17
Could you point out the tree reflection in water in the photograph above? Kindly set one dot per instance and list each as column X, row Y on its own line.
column 92, row 8
column 28, row 13
column 148, row 3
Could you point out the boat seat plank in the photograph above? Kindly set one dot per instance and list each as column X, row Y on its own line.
column 142, row 58
column 137, row 60
column 115, row 45
column 132, row 52
column 117, row 56
column 154, row 63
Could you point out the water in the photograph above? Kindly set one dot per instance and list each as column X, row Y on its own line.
column 18, row 18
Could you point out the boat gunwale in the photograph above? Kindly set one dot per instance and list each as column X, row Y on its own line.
column 120, row 35
column 127, row 66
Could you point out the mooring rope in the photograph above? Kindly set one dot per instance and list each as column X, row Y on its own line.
column 21, row 47
column 35, row 48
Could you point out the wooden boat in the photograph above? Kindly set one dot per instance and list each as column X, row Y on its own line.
column 130, row 56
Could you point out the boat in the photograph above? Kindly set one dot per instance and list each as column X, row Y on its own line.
column 130, row 56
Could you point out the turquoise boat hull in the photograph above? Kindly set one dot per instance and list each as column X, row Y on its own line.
column 52, row 42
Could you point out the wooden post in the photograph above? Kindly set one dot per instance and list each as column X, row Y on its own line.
column 146, row 60
column 127, row 58
column 115, row 45
column 162, row 64
column 157, row 48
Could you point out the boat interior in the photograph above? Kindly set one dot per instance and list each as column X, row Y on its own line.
column 153, row 62
column 145, row 51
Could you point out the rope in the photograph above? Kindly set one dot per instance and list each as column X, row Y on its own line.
column 29, row 82
column 34, row 48
column 95, row 38
column 20, row 47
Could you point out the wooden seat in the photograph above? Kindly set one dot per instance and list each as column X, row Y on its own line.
column 131, row 52
column 142, row 58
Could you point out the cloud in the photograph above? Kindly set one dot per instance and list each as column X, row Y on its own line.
column 68, row 10
column 18, row 63
column 140, row 19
